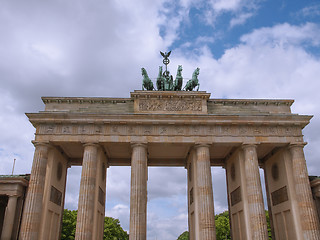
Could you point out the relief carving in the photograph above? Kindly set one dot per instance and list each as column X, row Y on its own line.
column 170, row 105
column 66, row 130
column 172, row 130
column 179, row 130
column 130, row 130
column 162, row 130
column 114, row 129
column 98, row 129
column 83, row 129
column 50, row 129
column 148, row 130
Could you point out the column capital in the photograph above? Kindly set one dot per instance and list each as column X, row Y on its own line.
column 245, row 145
column 202, row 144
column 297, row 144
column 95, row 144
column 14, row 195
column 139, row 144
column 45, row 144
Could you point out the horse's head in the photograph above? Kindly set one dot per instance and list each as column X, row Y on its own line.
column 197, row 71
column 179, row 68
column 143, row 71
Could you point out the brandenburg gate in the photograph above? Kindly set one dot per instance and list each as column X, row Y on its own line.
column 172, row 128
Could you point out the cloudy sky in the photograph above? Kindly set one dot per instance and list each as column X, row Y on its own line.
column 244, row 48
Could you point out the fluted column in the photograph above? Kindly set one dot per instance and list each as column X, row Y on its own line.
column 84, row 228
column 9, row 218
column 205, row 194
column 308, row 213
column 254, row 196
column 31, row 219
column 138, row 193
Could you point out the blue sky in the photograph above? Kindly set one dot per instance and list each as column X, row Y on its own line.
column 244, row 48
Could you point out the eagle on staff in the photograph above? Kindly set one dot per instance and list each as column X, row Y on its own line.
column 165, row 55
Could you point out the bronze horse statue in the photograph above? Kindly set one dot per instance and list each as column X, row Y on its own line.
column 160, row 80
column 179, row 79
column 146, row 82
column 193, row 82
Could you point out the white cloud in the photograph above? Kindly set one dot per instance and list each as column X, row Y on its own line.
column 121, row 212
column 284, row 35
column 229, row 5
column 240, row 10
column 310, row 11
column 241, row 19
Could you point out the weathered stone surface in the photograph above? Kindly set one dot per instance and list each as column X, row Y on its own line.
column 84, row 230
column 308, row 213
column 138, row 193
column 31, row 218
column 165, row 128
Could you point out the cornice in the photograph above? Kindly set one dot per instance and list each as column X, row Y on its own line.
column 266, row 102
column 186, row 119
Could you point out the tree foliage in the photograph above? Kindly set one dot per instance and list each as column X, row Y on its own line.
column 112, row 228
column 69, row 222
column 184, row 236
column 223, row 227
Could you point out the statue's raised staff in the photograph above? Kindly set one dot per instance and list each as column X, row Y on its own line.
column 179, row 79
column 146, row 82
column 193, row 82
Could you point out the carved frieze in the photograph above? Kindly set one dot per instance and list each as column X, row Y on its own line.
column 168, row 130
column 169, row 105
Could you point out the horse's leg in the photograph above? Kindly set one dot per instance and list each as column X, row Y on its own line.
column 198, row 86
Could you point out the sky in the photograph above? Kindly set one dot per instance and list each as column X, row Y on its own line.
column 244, row 49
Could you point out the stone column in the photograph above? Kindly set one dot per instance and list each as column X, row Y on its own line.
column 84, row 228
column 138, row 193
column 9, row 218
column 308, row 213
column 205, row 193
column 31, row 218
column 257, row 217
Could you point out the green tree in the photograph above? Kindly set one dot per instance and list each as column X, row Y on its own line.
column 69, row 222
column 184, row 236
column 222, row 226
column 112, row 228
column 268, row 225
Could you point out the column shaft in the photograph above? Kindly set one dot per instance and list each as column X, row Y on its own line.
column 254, row 196
column 138, row 194
column 31, row 219
column 308, row 213
column 205, row 194
column 9, row 218
column 84, row 228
